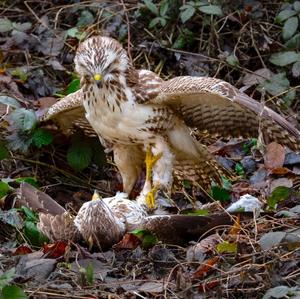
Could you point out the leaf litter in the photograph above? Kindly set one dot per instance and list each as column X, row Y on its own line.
column 256, row 257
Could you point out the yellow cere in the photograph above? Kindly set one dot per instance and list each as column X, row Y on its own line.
column 97, row 77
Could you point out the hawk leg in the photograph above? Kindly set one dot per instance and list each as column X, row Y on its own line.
column 159, row 164
column 150, row 162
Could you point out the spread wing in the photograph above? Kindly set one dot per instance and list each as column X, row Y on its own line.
column 220, row 108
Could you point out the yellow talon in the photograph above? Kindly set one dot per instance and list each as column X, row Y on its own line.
column 150, row 198
column 150, row 162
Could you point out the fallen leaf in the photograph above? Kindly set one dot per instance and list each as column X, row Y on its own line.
column 205, row 268
column 197, row 252
column 129, row 241
column 236, row 228
column 204, row 287
column 274, row 157
column 21, row 250
column 152, row 287
column 55, row 250
column 271, row 239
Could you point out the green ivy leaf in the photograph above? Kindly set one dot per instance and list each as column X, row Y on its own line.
column 29, row 214
column 296, row 69
column 148, row 239
column 232, row 60
column 280, row 193
column 7, row 277
column 285, row 58
column 73, row 86
column 164, row 6
column 151, row 6
column 13, row 292
column 86, row 18
column 294, row 42
column 22, row 26
column 284, row 15
column 187, row 13
column 225, row 246
column 296, row 6
column 19, row 73
column 4, row 189
column 4, row 153
column 154, row 22
column 219, row 193
column 23, row 119
column 80, row 155
column 76, row 33
column 211, row 10
column 41, row 137
column 33, row 235
column 9, row 101
column 5, row 25
column 239, row 169
column 289, row 28
column 29, row 180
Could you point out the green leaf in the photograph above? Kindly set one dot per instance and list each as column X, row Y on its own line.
column 148, row 239
column 41, row 137
column 22, row 26
column 164, row 6
column 29, row 214
column 284, row 15
column 80, row 155
column 211, row 10
column 9, row 101
column 33, row 235
column 5, row 25
column 30, row 180
column 86, row 18
column 23, row 119
column 201, row 212
column 19, row 73
column 280, row 193
column 294, row 42
column 296, row 6
column 4, row 189
column 219, row 193
column 163, row 22
column 7, row 277
column 225, row 246
column 187, row 13
column 73, row 86
column 90, row 274
column 154, row 22
column 277, row 84
column 296, row 69
column 74, row 32
column 239, row 169
column 232, row 60
column 289, row 28
column 4, row 153
column 284, row 58
column 13, row 292
column 151, row 6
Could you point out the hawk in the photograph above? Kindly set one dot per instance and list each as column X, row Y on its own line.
column 138, row 115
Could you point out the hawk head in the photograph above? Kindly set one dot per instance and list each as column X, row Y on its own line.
column 101, row 59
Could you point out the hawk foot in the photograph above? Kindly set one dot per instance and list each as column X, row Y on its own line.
column 150, row 162
column 150, row 198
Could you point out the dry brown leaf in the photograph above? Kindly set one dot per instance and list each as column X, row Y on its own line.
column 274, row 157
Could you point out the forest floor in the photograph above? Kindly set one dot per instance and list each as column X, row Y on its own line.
column 251, row 44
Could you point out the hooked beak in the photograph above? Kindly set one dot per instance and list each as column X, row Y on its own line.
column 98, row 80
